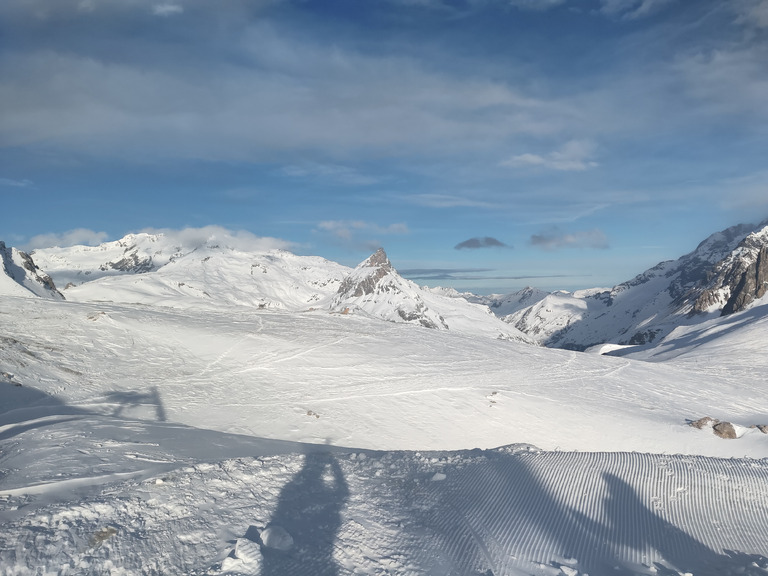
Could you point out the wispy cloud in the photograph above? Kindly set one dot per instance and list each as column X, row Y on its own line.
column 536, row 5
column 167, row 9
column 574, row 155
column 333, row 172
column 632, row 9
column 476, row 243
column 287, row 94
column 15, row 183
column 447, row 201
column 358, row 234
column 78, row 236
column 556, row 239
column 751, row 13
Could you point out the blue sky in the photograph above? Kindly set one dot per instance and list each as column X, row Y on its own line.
column 488, row 144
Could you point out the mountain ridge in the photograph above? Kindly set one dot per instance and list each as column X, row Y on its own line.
column 725, row 274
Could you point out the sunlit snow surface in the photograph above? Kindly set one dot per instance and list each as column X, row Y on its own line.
column 147, row 440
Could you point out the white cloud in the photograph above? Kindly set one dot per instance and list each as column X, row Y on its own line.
column 166, row 9
column 79, row 236
column 556, row 239
column 235, row 239
column 574, row 155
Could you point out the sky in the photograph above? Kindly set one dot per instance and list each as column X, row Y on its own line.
column 485, row 144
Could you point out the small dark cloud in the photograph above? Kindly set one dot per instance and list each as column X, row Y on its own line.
column 475, row 243
column 556, row 239
column 464, row 274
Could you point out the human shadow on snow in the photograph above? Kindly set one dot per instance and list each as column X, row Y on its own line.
column 308, row 513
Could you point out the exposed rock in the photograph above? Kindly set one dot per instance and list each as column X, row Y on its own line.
column 763, row 428
column 752, row 284
column 739, row 278
column 704, row 422
column 354, row 286
column 131, row 262
column 725, row 430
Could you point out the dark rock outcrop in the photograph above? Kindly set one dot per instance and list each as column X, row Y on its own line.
column 705, row 422
column 725, row 430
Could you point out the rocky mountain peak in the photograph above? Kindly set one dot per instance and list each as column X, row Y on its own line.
column 366, row 277
column 377, row 260
column 375, row 287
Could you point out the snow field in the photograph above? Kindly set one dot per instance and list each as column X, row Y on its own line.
column 328, row 378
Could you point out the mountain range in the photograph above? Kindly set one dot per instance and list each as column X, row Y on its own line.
column 725, row 274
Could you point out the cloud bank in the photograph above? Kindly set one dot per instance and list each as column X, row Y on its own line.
column 76, row 237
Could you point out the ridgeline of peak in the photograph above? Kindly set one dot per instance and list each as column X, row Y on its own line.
column 22, row 277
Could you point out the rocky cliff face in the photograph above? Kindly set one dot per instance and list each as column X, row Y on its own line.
column 739, row 279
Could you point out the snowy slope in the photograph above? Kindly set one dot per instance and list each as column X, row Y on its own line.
column 133, row 440
column 654, row 303
column 20, row 276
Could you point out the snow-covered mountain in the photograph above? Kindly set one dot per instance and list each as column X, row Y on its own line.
column 147, row 427
column 724, row 274
column 375, row 288
column 20, row 276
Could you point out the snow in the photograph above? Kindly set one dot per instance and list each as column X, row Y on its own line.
column 146, row 428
